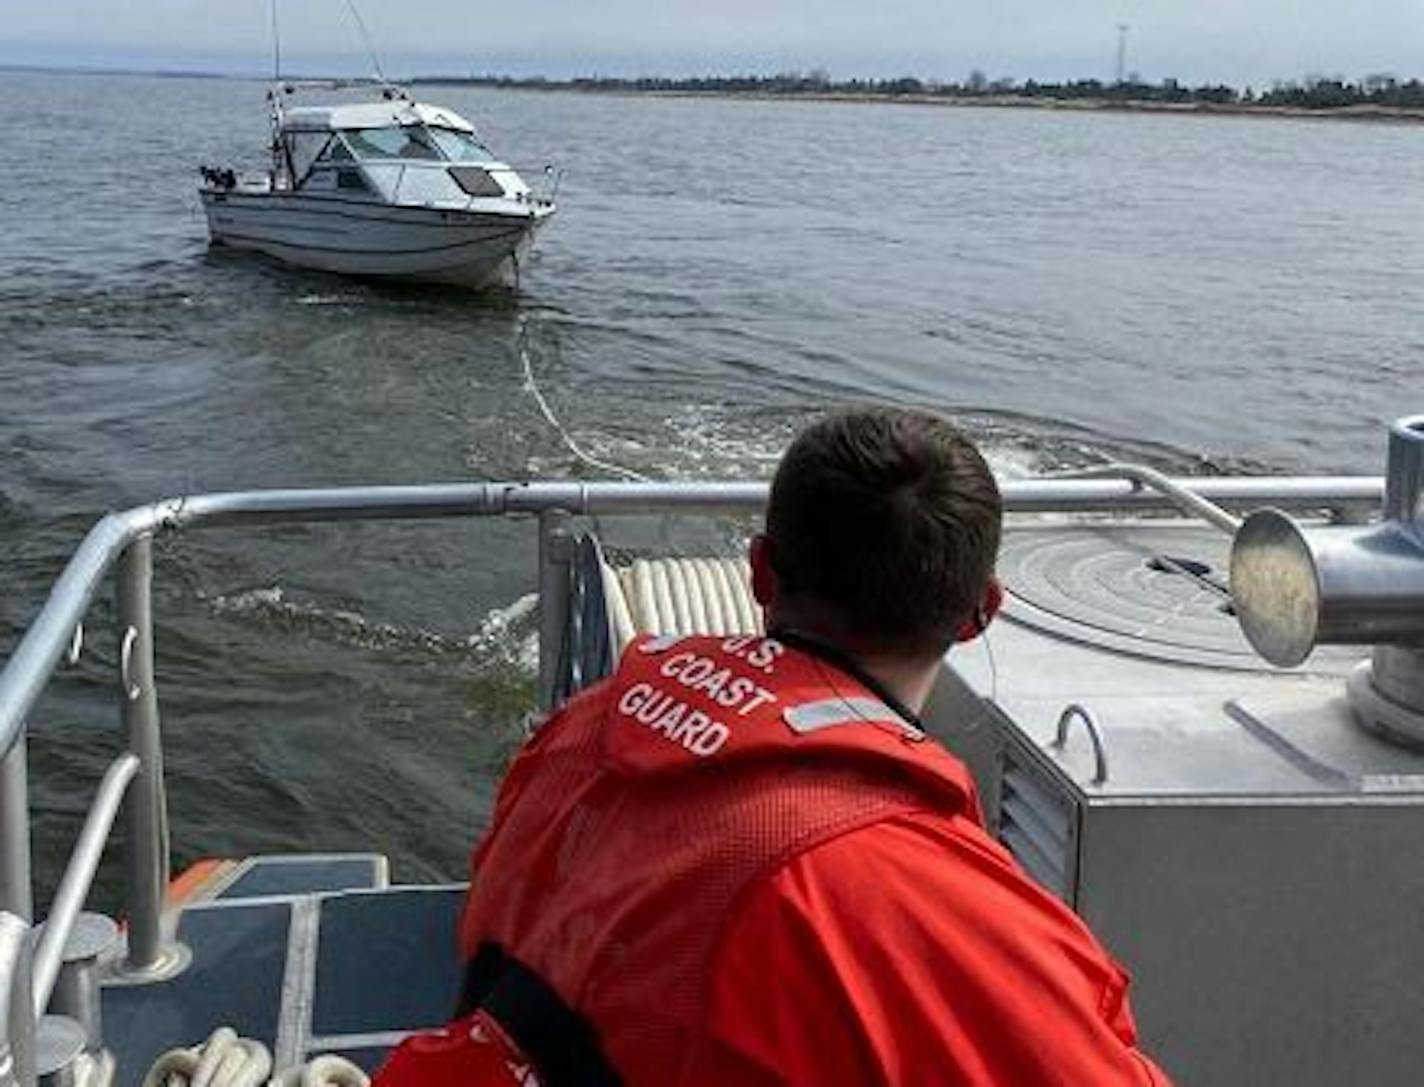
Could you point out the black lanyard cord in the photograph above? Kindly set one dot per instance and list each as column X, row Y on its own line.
column 837, row 657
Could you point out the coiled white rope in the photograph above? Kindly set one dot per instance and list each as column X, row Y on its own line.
column 225, row 1060
column 325, row 1071
column 681, row 596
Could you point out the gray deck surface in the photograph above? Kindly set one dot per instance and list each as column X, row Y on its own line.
column 303, row 876
column 386, row 961
column 383, row 962
column 235, row 980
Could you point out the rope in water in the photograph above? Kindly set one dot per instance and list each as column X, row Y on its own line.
column 532, row 387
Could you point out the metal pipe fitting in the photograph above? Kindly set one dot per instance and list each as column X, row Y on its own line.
column 1295, row 588
column 16, row 891
column 1184, row 498
column 61, row 926
column 1404, row 471
column 17, row 1019
column 555, row 561
column 146, row 859
column 59, row 1043
column 76, row 992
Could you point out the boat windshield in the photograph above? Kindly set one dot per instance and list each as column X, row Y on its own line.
column 403, row 142
column 461, row 146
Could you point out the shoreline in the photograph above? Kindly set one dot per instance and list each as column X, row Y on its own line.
column 1366, row 112
column 1370, row 113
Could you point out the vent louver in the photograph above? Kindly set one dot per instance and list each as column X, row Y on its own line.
column 1036, row 824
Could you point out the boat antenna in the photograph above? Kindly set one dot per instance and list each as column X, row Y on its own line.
column 276, row 47
column 365, row 37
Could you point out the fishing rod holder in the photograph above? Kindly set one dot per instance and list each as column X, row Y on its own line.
column 1295, row 587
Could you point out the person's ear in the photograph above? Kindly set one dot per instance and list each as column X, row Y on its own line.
column 763, row 572
column 989, row 605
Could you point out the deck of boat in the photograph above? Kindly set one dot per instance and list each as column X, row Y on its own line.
column 307, row 954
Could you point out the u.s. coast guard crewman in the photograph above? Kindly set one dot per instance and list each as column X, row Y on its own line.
column 741, row 861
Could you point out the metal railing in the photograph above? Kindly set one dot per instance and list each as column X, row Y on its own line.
column 123, row 542
column 1190, row 502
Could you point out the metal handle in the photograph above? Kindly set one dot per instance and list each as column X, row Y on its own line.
column 131, row 689
column 1100, row 754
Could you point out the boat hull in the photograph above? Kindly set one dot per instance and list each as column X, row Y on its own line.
column 460, row 246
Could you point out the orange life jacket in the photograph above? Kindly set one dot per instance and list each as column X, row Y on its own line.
column 634, row 823
column 472, row 1052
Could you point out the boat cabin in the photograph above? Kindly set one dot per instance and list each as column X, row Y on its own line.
column 393, row 188
column 394, row 152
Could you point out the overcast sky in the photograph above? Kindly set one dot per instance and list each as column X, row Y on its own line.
column 1233, row 41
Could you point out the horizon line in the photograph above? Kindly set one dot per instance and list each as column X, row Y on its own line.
column 816, row 72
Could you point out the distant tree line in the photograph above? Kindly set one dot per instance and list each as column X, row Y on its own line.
column 1312, row 93
column 1334, row 93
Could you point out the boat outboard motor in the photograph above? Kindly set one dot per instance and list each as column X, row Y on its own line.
column 1296, row 587
column 219, row 178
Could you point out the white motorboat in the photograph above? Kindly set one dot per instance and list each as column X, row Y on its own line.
column 392, row 188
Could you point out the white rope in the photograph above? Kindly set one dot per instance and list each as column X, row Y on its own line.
column 682, row 596
column 692, row 590
column 225, row 1060
column 620, row 619
column 532, row 387
column 324, row 1071
column 711, row 600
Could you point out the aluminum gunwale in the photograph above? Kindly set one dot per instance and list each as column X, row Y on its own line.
column 28, row 669
column 48, row 637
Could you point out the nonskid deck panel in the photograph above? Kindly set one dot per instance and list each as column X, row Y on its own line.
column 235, row 979
column 260, row 877
column 321, row 970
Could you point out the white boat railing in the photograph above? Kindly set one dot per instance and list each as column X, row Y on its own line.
column 123, row 542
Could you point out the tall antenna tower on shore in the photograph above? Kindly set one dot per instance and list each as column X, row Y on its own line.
column 1122, row 29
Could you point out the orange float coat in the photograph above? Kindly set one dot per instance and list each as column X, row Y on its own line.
column 739, row 866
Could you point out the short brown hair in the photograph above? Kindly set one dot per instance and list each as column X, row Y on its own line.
column 891, row 518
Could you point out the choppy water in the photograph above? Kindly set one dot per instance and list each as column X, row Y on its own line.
column 1195, row 293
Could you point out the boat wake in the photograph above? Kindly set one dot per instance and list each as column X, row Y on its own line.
column 505, row 637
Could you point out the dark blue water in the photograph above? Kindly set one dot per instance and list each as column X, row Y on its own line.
column 1196, row 293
